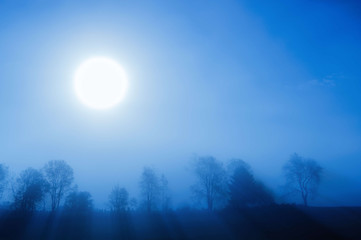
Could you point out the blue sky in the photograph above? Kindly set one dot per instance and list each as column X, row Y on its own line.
column 245, row 79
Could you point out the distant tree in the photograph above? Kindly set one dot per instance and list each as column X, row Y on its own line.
column 150, row 188
column 244, row 189
column 4, row 172
column 60, row 177
column 303, row 176
column 133, row 204
column 79, row 202
column 164, row 193
column 118, row 199
column 31, row 188
column 211, row 183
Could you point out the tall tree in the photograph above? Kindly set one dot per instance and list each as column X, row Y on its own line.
column 30, row 190
column 165, row 197
column 150, row 189
column 118, row 199
column 4, row 171
column 211, row 183
column 303, row 176
column 244, row 189
column 60, row 177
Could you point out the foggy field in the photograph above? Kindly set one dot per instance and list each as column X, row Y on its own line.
column 276, row 222
column 180, row 119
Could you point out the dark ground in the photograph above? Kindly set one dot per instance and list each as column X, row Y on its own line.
column 276, row 222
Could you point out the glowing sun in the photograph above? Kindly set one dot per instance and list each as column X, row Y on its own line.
column 100, row 83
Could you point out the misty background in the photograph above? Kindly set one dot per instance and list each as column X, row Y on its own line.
column 231, row 79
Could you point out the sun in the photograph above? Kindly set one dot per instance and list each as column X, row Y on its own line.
column 100, row 83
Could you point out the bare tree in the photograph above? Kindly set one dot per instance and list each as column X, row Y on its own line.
column 133, row 204
column 60, row 177
column 165, row 197
column 118, row 199
column 211, row 183
column 302, row 176
column 150, row 188
column 4, row 172
column 30, row 190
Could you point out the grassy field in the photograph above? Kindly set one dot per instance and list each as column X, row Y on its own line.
column 277, row 222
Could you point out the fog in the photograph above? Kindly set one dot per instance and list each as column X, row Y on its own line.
column 229, row 79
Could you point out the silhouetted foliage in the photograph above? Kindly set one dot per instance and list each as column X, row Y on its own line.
column 118, row 199
column 79, row 221
column 150, row 189
column 79, row 202
column 302, row 176
column 133, row 204
column 244, row 190
column 60, row 177
column 211, row 183
column 4, row 171
column 165, row 197
column 30, row 190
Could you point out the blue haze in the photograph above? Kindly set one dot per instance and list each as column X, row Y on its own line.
column 246, row 79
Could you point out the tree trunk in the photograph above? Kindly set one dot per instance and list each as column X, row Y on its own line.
column 305, row 200
column 210, row 204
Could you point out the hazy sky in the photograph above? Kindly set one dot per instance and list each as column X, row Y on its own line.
column 257, row 80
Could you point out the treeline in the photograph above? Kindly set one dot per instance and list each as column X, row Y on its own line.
column 217, row 186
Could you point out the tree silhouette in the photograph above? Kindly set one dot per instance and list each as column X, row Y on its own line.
column 30, row 190
column 150, row 188
column 79, row 202
column 118, row 199
column 60, row 177
column 164, row 193
column 211, row 183
column 133, row 204
column 244, row 189
column 302, row 176
column 4, row 171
